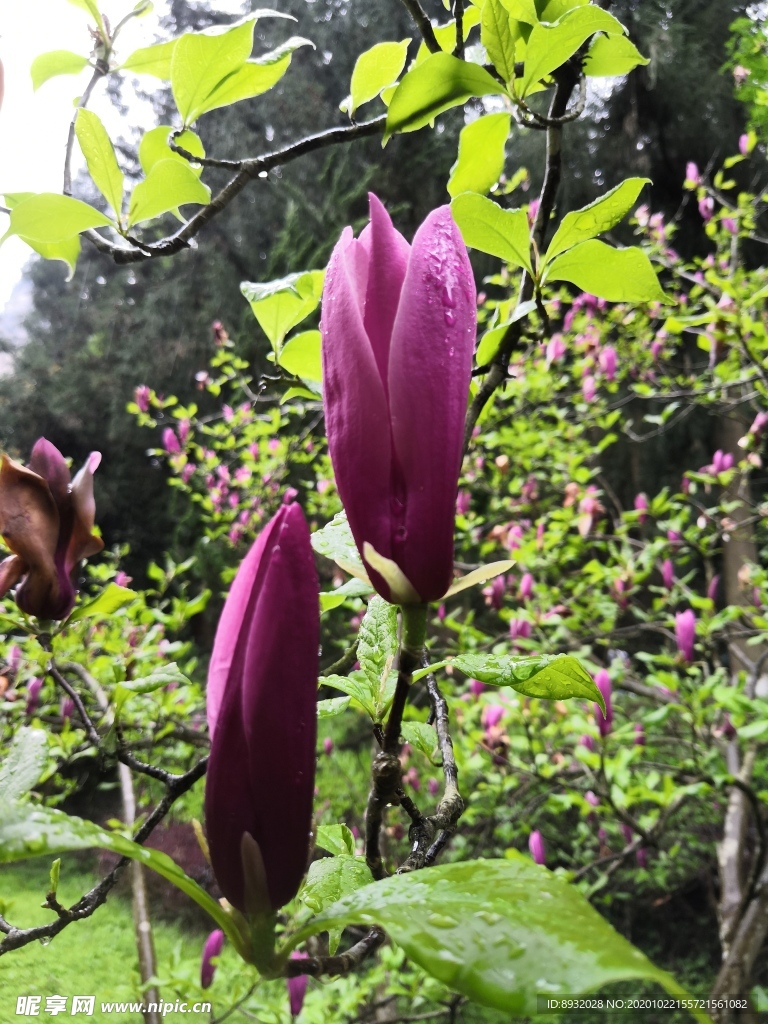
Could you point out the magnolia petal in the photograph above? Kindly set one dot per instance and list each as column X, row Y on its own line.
column 388, row 261
column 400, row 588
column 82, row 543
column 357, row 418
column 429, row 374
column 29, row 524
column 11, row 571
column 47, row 461
column 481, row 575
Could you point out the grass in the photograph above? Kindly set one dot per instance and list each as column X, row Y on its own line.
column 93, row 957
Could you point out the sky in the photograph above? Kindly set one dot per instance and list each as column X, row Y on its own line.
column 34, row 126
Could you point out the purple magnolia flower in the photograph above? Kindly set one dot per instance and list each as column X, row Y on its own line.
column 476, row 687
column 685, row 633
column 34, row 686
column 122, row 579
column 604, row 721
column 213, row 946
column 433, row 786
column 641, row 856
column 142, row 395
column 404, row 317
column 67, row 708
column 628, row 834
column 589, row 388
column 262, row 717
column 692, row 176
column 328, row 746
column 607, row 360
column 46, row 520
column 14, row 658
column 587, row 742
column 744, row 146
column 639, row 734
column 555, row 349
column 641, row 506
column 297, row 987
column 730, row 225
column 536, row 846
column 526, row 586
column 492, row 715
column 171, row 441
column 592, row 799
column 759, row 424
column 519, row 629
column 706, row 207
column 667, row 573
column 712, row 589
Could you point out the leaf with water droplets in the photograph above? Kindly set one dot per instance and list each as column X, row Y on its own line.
column 501, row 932
column 23, row 765
column 557, row 677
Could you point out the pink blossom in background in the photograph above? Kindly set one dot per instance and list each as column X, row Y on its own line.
column 441, row 612
column 712, row 589
column 587, row 742
column 685, row 633
column 297, row 987
column 536, row 847
column 122, row 579
column 183, row 430
column 607, row 361
column 740, row 74
column 604, row 721
column 668, row 573
column 14, row 658
column 639, row 734
column 212, row 948
column 491, row 716
column 142, row 395
column 533, row 210
column 540, row 534
column 519, row 629
column 628, row 834
column 555, row 349
column 526, row 586
column 328, row 745
column 434, row 787
column 463, row 502
column 171, row 441
column 730, row 225
column 514, row 537
column 641, row 506
column 674, row 538
column 34, row 686
column 592, row 799
column 476, row 688
column 641, row 856
column 188, row 472
column 692, row 176
column 497, row 589
column 744, row 146
column 228, row 413
column 589, row 388
column 67, row 708
column 289, row 494
column 411, row 778
column 759, row 424
column 706, row 207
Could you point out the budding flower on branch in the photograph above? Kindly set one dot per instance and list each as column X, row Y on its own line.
column 262, row 716
column 46, row 519
column 398, row 326
column 212, row 948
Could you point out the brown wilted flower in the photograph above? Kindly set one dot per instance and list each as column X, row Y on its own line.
column 46, row 519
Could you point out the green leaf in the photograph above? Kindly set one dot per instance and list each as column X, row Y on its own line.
column 89, row 7
column 550, row 45
column 329, row 880
column 171, row 183
column 20, row 771
column 100, row 157
column 551, row 677
column 557, row 8
column 481, row 155
column 499, row 33
column 154, row 147
column 301, row 356
column 49, row 217
column 501, row 932
column 107, row 603
column 490, row 341
column 441, row 82
column 66, row 251
column 33, row 831
column 254, row 77
column 446, row 34
column 377, row 646
column 612, row 55
column 54, row 63
column 618, row 275
column 162, row 676
column 352, row 588
column 151, row 60
column 485, row 226
column 201, row 61
column 357, row 687
column 599, row 216
column 422, row 737
column 331, row 707
column 336, row 839
column 522, row 10
column 336, row 542
column 374, row 70
column 280, row 305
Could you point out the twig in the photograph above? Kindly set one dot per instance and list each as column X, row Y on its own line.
column 423, row 24
column 342, row 963
column 71, row 692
